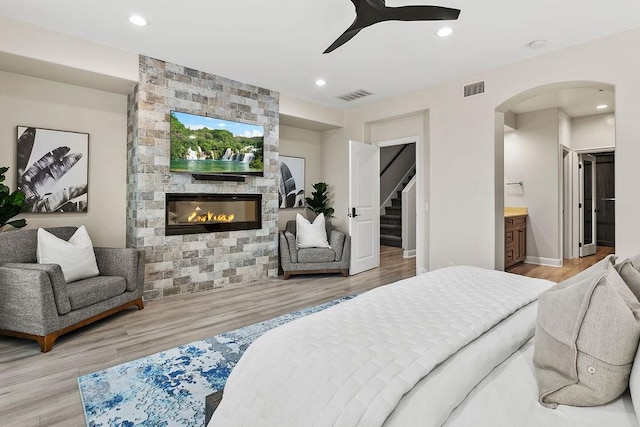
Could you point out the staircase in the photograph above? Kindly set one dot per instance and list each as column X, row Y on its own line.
column 391, row 221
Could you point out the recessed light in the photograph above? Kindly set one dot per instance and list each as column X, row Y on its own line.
column 537, row 44
column 444, row 32
column 138, row 20
column 602, row 106
column 321, row 82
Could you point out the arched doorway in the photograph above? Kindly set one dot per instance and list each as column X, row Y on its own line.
column 543, row 136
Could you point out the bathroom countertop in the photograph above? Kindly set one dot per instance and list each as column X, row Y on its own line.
column 510, row 212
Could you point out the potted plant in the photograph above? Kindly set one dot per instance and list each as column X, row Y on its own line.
column 319, row 202
column 11, row 204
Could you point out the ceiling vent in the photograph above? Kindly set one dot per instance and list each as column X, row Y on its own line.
column 356, row 94
column 474, row 89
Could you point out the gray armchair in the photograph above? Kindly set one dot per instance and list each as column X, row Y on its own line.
column 37, row 304
column 335, row 259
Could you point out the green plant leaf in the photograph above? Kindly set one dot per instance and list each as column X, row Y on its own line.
column 319, row 202
column 9, row 211
column 18, row 223
column 11, row 204
column 17, row 198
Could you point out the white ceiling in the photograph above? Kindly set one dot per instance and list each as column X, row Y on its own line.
column 578, row 102
column 278, row 44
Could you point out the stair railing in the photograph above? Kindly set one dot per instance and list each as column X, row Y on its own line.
column 398, row 187
column 404, row 147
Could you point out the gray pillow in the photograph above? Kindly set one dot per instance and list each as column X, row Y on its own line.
column 634, row 385
column 586, row 338
column 631, row 276
column 628, row 270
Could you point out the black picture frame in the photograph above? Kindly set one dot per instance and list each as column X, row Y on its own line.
column 291, row 182
column 53, row 169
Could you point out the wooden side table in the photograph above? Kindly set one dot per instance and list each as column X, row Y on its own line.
column 211, row 402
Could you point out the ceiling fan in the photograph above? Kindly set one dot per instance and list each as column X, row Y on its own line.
column 369, row 12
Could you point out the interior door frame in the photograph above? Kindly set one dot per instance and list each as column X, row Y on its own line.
column 567, row 203
column 587, row 249
column 421, row 222
column 576, row 191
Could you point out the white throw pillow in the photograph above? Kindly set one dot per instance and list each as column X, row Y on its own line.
column 310, row 235
column 75, row 257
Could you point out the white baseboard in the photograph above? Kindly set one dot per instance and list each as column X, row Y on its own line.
column 409, row 254
column 551, row 262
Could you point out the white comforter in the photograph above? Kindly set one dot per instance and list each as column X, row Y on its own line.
column 432, row 400
column 352, row 363
column 509, row 397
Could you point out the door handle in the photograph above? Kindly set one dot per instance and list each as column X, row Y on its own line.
column 353, row 213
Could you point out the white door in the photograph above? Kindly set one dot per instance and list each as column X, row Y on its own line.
column 587, row 206
column 364, row 206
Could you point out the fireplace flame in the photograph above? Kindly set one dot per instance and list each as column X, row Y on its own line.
column 210, row 217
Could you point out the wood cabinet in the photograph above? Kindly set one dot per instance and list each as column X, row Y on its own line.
column 515, row 240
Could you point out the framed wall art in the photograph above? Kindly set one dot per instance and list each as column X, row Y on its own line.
column 52, row 168
column 291, row 182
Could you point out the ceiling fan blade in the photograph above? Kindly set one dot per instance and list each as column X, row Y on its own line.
column 345, row 37
column 369, row 12
column 420, row 13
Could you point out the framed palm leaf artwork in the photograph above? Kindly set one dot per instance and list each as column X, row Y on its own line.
column 53, row 168
column 291, row 182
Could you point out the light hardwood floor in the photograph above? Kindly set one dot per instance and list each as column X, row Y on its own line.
column 40, row 389
column 570, row 267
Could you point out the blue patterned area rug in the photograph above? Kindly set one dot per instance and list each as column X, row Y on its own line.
column 169, row 388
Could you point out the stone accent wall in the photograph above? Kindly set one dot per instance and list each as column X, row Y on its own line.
column 196, row 262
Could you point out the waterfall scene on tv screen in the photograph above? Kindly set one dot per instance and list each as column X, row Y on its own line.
column 208, row 145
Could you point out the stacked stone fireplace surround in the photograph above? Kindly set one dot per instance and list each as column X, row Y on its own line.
column 196, row 262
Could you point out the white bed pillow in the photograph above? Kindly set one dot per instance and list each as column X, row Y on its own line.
column 311, row 235
column 75, row 257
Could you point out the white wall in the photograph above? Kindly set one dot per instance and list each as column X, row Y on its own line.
column 311, row 112
column 465, row 157
column 295, row 142
column 510, row 121
column 531, row 156
column 39, row 52
column 42, row 103
column 566, row 184
column 395, row 128
column 564, row 129
column 593, row 132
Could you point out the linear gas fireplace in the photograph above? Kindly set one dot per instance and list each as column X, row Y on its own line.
column 190, row 213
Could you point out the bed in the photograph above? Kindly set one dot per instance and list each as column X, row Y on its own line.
column 508, row 397
column 451, row 347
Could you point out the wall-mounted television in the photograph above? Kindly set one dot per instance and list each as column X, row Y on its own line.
column 205, row 145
